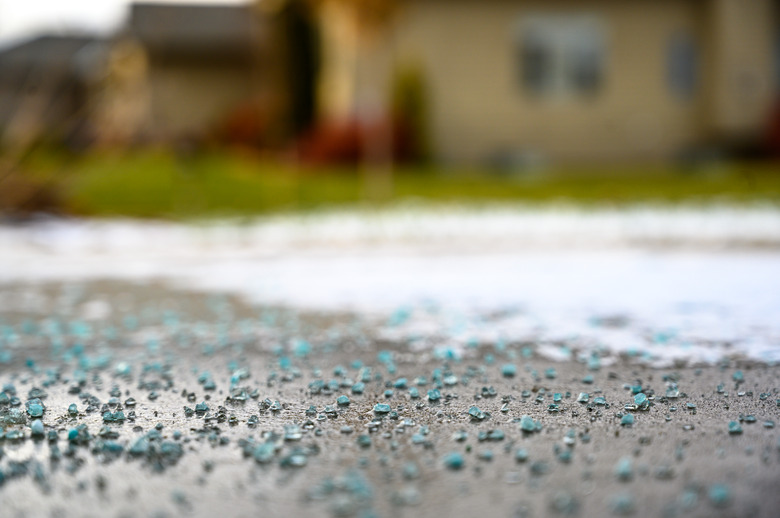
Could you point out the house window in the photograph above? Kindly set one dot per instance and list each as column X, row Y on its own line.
column 561, row 55
column 682, row 63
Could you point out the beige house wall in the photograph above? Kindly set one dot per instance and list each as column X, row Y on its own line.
column 187, row 99
column 468, row 51
column 742, row 91
column 470, row 56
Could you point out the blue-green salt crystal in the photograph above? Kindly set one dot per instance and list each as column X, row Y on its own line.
column 588, row 380
column 36, row 428
column 411, row 471
column 476, row 413
column 509, row 370
column 623, row 504
column 342, row 400
column 292, row 433
column 364, row 441
column 489, row 391
column 35, row 409
column 264, row 453
column 641, row 401
column 769, row 424
column 564, row 456
column 460, row 435
column 13, row 435
column 202, row 407
column 414, row 393
column 381, row 408
column 636, row 389
column 738, row 376
column 454, row 460
column 553, row 408
column 302, row 348
column 296, row 459
column 527, row 424
column 486, row 455
column 139, row 447
column 539, row 468
column 584, row 397
column 400, row 383
column 388, row 393
column 600, row 400
column 690, row 406
column 720, row 494
column 521, row 455
column 734, row 428
column 627, row 420
column 36, row 393
column 316, row 386
column 275, row 407
column 495, row 435
column 434, row 395
column 624, row 469
column 564, row 504
column 111, row 447
column 13, row 416
column 550, row 373
column 689, row 499
column 557, row 397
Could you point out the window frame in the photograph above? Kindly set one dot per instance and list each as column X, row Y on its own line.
column 558, row 38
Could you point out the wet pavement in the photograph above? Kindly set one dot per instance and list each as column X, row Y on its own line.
column 238, row 410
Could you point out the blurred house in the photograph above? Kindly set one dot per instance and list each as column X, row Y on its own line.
column 202, row 61
column 232, row 73
column 509, row 82
column 176, row 73
column 569, row 80
column 46, row 84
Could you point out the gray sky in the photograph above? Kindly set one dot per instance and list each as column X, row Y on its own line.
column 23, row 18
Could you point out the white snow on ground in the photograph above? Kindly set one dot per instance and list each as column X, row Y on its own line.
column 686, row 283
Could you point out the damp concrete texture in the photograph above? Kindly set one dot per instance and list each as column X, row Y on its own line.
column 513, row 432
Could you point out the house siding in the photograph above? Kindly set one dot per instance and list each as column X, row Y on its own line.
column 478, row 107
